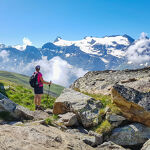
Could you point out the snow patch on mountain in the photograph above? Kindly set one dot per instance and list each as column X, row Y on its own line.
column 117, row 53
column 104, row 60
column 87, row 44
column 26, row 42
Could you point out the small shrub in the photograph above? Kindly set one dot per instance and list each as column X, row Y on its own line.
column 102, row 112
column 48, row 121
column 55, row 117
column 104, row 127
column 114, row 109
column 76, row 89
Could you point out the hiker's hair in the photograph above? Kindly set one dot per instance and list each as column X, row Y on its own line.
column 37, row 68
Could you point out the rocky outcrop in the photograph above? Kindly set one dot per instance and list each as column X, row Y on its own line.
column 85, row 107
column 134, row 105
column 133, row 134
column 38, row 137
column 100, row 82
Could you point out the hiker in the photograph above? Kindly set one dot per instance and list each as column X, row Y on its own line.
column 38, row 90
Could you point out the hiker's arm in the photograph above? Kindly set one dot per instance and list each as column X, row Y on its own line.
column 45, row 82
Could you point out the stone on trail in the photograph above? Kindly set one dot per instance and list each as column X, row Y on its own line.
column 68, row 119
column 109, row 146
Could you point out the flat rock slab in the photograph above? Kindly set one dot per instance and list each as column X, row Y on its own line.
column 38, row 137
column 85, row 107
column 134, row 105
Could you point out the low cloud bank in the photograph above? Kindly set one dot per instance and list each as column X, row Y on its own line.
column 139, row 52
column 56, row 69
column 4, row 56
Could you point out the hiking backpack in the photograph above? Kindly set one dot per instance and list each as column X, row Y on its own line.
column 33, row 80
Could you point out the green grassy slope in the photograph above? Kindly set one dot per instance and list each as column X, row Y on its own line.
column 16, row 87
column 24, row 81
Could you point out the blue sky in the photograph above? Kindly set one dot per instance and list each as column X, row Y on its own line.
column 43, row 20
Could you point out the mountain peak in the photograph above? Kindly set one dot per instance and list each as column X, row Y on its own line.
column 131, row 40
column 58, row 38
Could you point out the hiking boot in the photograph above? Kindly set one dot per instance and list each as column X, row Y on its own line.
column 36, row 107
column 40, row 108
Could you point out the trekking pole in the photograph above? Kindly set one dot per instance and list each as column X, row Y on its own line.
column 48, row 92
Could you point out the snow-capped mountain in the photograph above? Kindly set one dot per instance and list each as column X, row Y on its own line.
column 90, row 53
column 93, row 45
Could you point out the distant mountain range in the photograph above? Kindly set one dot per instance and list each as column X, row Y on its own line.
column 90, row 53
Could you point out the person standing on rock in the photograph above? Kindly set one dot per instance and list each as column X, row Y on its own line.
column 38, row 90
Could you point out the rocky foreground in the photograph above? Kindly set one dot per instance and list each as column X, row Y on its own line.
column 78, row 115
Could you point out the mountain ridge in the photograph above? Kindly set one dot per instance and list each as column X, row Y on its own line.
column 89, row 54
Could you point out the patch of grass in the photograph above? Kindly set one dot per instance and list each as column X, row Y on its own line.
column 55, row 117
column 47, row 101
column 25, row 96
column 114, row 109
column 48, row 121
column 51, row 120
column 104, row 127
column 102, row 111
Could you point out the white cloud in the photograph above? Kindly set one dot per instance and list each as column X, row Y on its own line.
column 139, row 52
column 26, row 42
column 57, row 70
column 4, row 55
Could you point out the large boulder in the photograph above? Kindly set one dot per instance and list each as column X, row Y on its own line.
column 20, row 112
column 100, row 82
column 15, row 110
column 130, row 135
column 134, row 105
column 85, row 107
